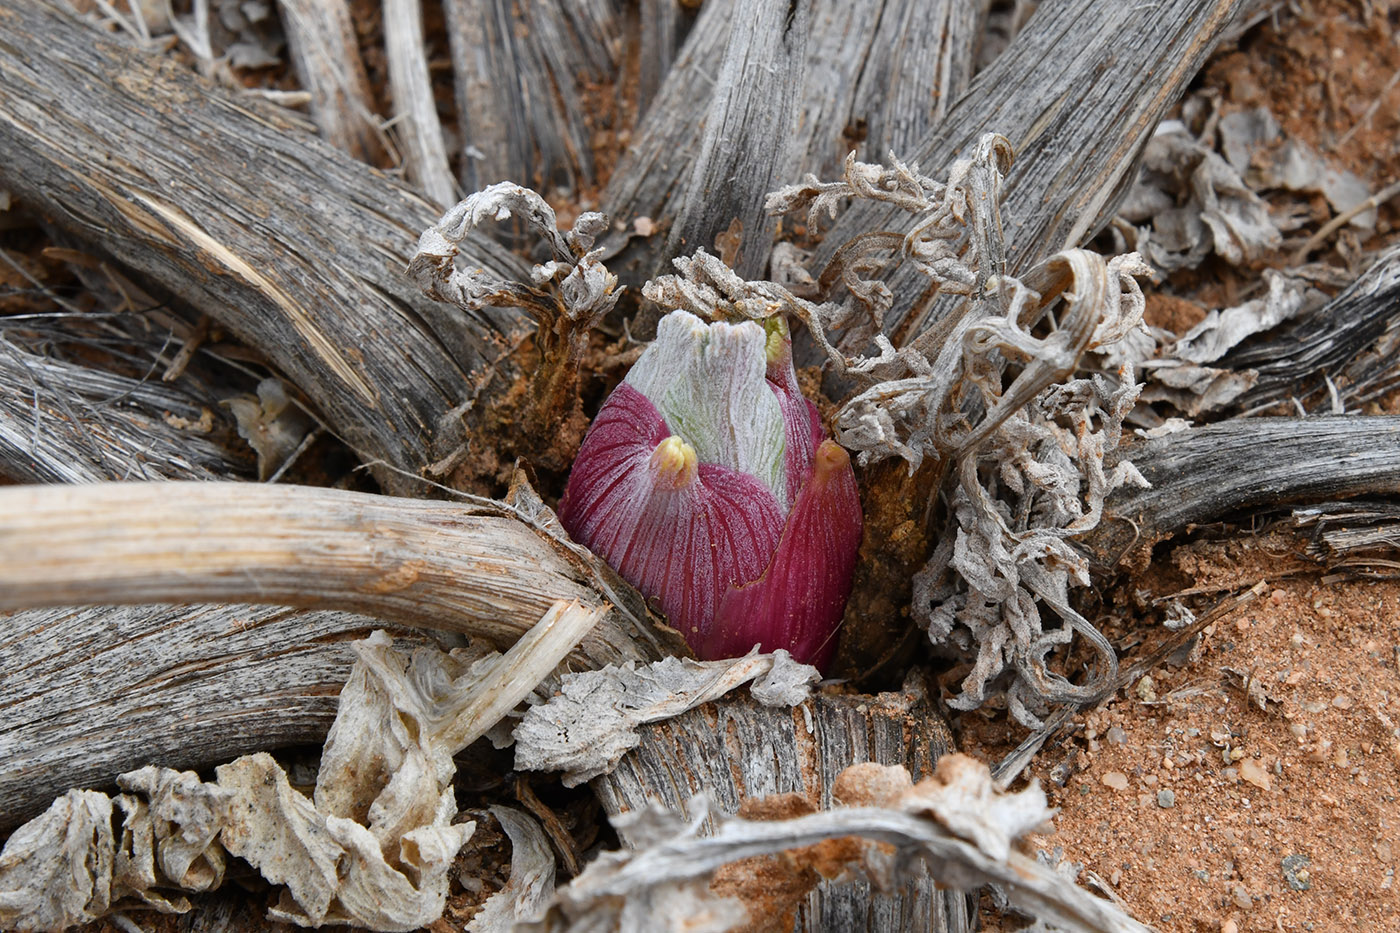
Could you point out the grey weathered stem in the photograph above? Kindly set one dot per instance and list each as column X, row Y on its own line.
column 736, row 750
column 747, row 132
column 321, row 41
column 1206, row 474
column 880, row 75
column 1077, row 93
column 91, row 693
column 648, row 177
column 64, row 423
column 1352, row 339
column 293, row 246
column 528, row 75
column 863, row 59
column 420, row 131
column 662, row 25
column 474, row 568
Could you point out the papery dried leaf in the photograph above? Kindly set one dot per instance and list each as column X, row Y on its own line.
column 531, row 885
column 271, row 424
column 390, row 758
column 586, row 728
column 1220, row 331
column 1221, row 214
column 56, row 870
column 188, row 814
column 272, row 820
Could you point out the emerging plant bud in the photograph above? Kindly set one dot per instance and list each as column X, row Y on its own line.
column 707, row 482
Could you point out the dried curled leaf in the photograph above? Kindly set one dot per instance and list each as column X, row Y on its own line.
column 372, row 848
column 1088, row 303
column 567, row 295
column 531, row 884
column 956, row 240
column 581, row 288
column 1220, row 213
column 587, row 727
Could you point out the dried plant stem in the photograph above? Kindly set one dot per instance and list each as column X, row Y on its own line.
column 1206, row 474
column 425, row 156
column 1077, row 94
column 473, row 568
column 519, row 671
column 293, row 247
column 1336, row 223
column 321, row 40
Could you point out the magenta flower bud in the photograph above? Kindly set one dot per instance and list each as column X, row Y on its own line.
column 707, row 482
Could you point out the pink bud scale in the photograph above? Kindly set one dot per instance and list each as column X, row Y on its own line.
column 706, row 483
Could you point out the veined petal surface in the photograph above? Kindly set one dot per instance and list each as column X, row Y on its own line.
column 683, row 542
column 798, row 602
column 708, row 382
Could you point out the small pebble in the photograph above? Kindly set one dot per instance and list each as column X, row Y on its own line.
column 1299, row 730
column 1229, row 926
column 1115, row 779
column 1342, row 701
column 1116, row 736
column 1166, row 799
column 1254, row 773
column 1242, row 898
column 1147, row 690
column 1295, row 872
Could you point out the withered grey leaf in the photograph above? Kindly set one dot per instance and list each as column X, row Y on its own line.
column 1296, row 166
column 1192, row 389
column 271, row 424
column 1209, row 340
column 531, row 884
column 590, row 724
column 56, row 870
column 1196, row 203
